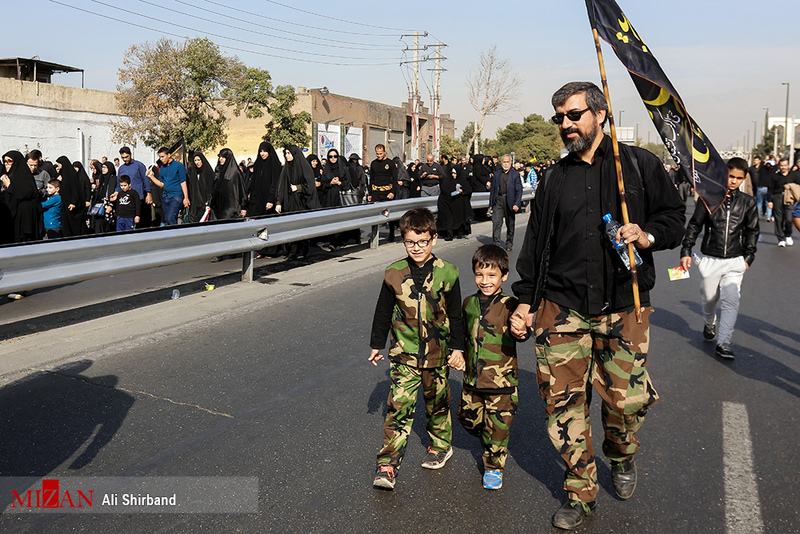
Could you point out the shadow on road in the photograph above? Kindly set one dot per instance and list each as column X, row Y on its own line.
column 49, row 418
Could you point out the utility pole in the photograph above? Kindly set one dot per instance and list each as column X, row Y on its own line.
column 437, row 69
column 413, row 97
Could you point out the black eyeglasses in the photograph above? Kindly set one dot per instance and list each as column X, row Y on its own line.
column 422, row 243
column 573, row 116
column 333, row 156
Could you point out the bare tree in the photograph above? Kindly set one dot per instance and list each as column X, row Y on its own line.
column 492, row 89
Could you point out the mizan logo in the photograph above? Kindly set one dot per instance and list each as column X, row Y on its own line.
column 51, row 497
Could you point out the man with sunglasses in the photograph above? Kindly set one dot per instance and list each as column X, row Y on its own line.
column 586, row 330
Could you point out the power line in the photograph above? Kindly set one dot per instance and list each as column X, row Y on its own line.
column 234, row 38
column 235, row 27
column 334, row 18
column 227, row 47
column 304, row 35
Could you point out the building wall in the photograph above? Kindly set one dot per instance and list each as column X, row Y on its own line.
column 60, row 120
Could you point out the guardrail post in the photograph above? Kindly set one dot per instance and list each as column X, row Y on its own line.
column 247, row 265
column 373, row 239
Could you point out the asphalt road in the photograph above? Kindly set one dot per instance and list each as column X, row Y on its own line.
column 270, row 380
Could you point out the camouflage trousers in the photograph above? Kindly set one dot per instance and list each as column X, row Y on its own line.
column 402, row 404
column 488, row 417
column 575, row 352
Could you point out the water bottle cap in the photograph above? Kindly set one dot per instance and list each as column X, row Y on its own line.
column 607, row 217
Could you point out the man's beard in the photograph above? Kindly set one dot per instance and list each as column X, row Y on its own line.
column 580, row 144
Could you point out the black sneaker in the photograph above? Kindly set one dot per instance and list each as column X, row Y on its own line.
column 724, row 351
column 384, row 477
column 436, row 460
column 623, row 477
column 709, row 332
column 572, row 513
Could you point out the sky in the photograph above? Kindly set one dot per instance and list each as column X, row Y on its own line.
column 727, row 59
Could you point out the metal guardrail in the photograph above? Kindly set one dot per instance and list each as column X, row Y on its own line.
column 51, row 263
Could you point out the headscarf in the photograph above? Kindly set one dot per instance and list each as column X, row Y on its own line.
column 83, row 176
column 338, row 170
column 230, row 169
column 204, row 175
column 402, row 172
column 23, row 184
column 316, row 170
column 298, row 172
column 107, row 182
column 98, row 171
column 72, row 191
column 266, row 173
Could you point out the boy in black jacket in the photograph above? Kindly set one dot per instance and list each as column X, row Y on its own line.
column 729, row 245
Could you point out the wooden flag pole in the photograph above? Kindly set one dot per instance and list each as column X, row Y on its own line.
column 620, row 183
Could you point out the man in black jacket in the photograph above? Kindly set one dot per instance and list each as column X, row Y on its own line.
column 729, row 245
column 782, row 212
column 586, row 330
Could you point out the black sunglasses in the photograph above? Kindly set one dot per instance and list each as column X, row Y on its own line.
column 573, row 116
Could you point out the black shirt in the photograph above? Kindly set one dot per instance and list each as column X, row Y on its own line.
column 576, row 275
column 382, row 172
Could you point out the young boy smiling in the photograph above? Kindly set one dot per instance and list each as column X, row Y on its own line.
column 420, row 303
column 489, row 396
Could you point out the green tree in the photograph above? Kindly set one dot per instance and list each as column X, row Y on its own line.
column 254, row 95
column 534, row 139
column 169, row 90
column 285, row 127
column 467, row 135
column 765, row 147
column 452, row 147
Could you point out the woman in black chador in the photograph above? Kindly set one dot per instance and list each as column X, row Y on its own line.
column 296, row 191
column 229, row 200
column 200, row 178
column 104, row 186
column 264, row 183
column 20, row 199
column 480, row 175
column 335, row 179
column 73, row 199
column 86, row 183
column 462, row 209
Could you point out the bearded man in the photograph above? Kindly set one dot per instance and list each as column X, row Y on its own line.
column 570, row 275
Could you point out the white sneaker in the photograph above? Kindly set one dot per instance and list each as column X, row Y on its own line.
column 781, row 243
column 789, row 242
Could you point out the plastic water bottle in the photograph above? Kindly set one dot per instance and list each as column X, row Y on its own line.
column 696, row 259
column 622, row 248
column 176, row 294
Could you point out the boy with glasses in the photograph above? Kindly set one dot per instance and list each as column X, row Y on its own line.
column 420, row 303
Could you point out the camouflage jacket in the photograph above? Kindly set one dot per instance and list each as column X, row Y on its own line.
column 491, row 354
column 420, row 332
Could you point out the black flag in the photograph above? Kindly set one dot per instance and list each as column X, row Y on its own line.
column 685, row 141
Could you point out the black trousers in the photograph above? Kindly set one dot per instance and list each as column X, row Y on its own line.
column 501, row 212
column 783, row 217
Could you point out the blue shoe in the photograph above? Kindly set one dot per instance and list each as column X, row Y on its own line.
column 493, row 479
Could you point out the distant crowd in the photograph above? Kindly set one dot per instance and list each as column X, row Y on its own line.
column 45, row 200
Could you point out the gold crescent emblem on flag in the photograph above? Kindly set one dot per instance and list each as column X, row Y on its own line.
column 700, row 156
column 662, row 98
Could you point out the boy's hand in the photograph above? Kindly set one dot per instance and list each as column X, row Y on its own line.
column 521, row 320
column 136, row 219
column 456, row 361
column 686, row 262
column 375, row 356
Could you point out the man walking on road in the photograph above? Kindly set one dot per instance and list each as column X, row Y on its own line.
column 505, row 199
column 586, row 330
column 430, row 177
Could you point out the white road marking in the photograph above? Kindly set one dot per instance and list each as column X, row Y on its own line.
column 742, row 506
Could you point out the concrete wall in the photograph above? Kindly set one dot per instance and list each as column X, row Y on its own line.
column 60, row 120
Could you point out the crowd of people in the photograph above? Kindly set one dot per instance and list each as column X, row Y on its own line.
column 42, row 200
